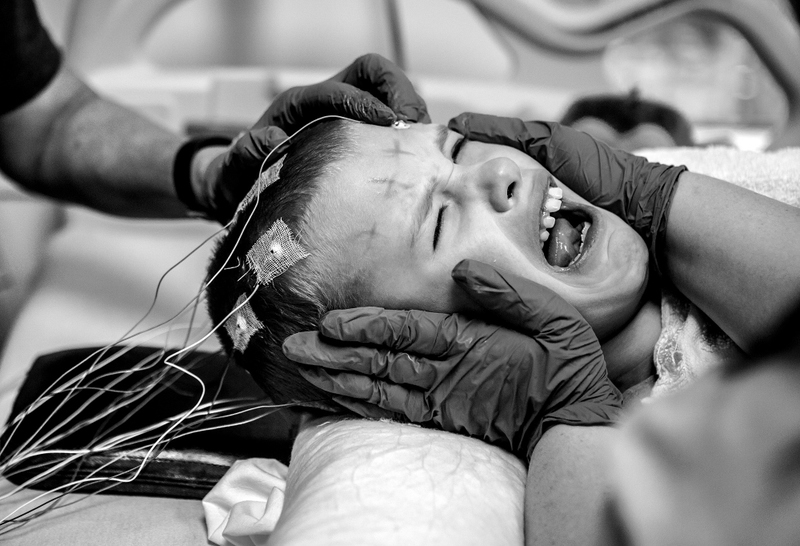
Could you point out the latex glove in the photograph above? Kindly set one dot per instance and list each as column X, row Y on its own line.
column 372, row 89
column 465, row 375
column 631, row 187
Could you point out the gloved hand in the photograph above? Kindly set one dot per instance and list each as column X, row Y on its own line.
column 372, row 89
column 631, row 187
column 465, row 375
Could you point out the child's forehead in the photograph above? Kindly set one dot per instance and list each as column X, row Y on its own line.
column 414, row 133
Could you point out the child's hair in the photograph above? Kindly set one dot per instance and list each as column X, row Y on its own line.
column 295, row 300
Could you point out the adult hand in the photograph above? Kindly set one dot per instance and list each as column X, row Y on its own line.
column 464, row 375
column 631, row 187
column 372, row 89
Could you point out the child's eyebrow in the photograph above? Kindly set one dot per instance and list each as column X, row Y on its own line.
column 426, row 204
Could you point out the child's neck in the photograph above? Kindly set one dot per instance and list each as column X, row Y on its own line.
column 629, row 353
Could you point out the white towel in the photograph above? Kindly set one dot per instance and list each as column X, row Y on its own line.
column 243, row 508
column 774, row 174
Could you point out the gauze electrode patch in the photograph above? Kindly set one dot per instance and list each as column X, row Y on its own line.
column 274, row 253
column 267, row 178
column 242, row 325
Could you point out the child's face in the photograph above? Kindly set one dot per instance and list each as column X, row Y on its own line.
column 406, row 210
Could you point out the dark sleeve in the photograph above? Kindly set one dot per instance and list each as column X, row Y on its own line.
column 28, row 57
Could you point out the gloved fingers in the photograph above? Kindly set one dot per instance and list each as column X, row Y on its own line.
column 311, row 349
column 428, row 334
column 261, row 141
column 386, row 81
column 249, row 151
column 239, row 168
column 295, row 107
column 499, row 130
column 385, row 395
column 521, row 303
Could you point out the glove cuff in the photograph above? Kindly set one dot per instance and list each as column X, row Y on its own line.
column 658, row 227
column 182, row 172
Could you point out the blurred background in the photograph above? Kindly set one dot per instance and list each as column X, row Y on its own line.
column 70, row 277
column 196, row 64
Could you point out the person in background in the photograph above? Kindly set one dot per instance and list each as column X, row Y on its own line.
column 629, row 122
column 61, row 139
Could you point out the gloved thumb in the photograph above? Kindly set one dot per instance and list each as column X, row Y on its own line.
column 518, row 302
column 527, row 136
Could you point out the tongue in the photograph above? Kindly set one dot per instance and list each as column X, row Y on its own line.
column 565, row 242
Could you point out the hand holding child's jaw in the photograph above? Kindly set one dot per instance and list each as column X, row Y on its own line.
column 401, row 485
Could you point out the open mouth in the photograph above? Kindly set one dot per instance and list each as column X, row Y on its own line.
column 563, row 230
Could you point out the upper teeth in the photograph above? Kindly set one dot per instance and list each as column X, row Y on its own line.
column 552, row 204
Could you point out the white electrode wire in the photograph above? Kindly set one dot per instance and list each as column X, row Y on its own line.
column 74, row 383
column 185, row 415
column 41, row 400
column 29, row 451
column 168, row 362
column 75, row 454
column 101, row 352
column 116, row 480
column 127, row 336
column 149, row 386
column 59, row 390
column 77, row 483
column 218, row 414
column 242, row 409
column 22, row 454
column 60, row 385
column 82, row 376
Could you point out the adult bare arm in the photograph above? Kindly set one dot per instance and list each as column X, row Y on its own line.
column 567, row 485
column 735, row 254
column 72, row 144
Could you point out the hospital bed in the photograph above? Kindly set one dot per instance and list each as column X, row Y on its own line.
column 85, row 279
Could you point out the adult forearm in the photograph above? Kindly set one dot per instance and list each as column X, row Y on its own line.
column 71, row 144
column 567, row 486
column 734, row 253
